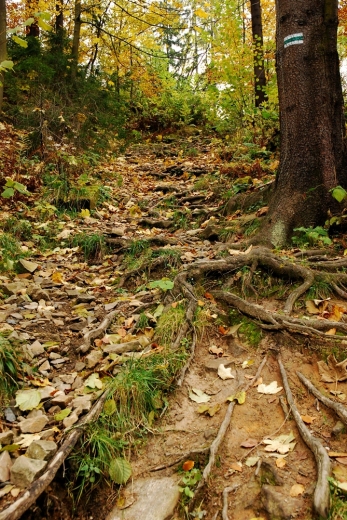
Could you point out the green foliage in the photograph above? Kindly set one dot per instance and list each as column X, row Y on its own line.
column 142, row 322
column 19, row 228
column 164, row 284
column 311, row 237
column 10, row 252
column 338, row 505
column 11, row 187
column 252, row 332
column 339, row 193
column 169, row 324
column 10, row 369
column 93, row 245
column 189, row 482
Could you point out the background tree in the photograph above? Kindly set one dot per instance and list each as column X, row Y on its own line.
column 312, row 125
column 3, row 46
column 258, row 43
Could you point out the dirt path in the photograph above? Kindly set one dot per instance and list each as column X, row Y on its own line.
column 165, row 230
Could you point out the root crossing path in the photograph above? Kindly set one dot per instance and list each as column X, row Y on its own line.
column 217, row 369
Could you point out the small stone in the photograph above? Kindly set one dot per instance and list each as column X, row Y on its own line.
column 46, row 392
column 44, row 367
column 53, row 410
column 47, row 433
column 85, row 298
column 24, row 471
column 82, row 403
column 62, row 400
column 33, row 425
column 213, row 364
column 278, row 505
column 5, row 466
column 34, row 413
column 59, row 361
column 80, row 366
column 36, row 349
column 9, row 415
column 94, row 358
column 71, row 419
column 338, row 428
column 6, row 438
column 28, row 266
column 77, row 383
column 68, row 378
column 54, row 355
column 41, row 450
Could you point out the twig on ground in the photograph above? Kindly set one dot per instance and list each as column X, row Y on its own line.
column 321, row 497
column 22, row 504
column 92, row 334
column 338, row 408
column 226, row 492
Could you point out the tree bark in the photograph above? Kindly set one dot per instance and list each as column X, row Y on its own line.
column 3, row 47
column 258, row 54
column 76, row 39
column 313, row 138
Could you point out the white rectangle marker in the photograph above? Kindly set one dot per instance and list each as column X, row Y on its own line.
column 293, row 39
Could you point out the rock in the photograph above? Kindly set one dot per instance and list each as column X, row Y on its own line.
column 44, row 367
column 9, row 415
column 6, row 438
column 41, row 450
column 80, row 366
column 24, row 471
column 62, row 400
column 47, row 433
column 278, row 506
column 93, row 358
column 156, row 500
column 33, row 425
column 85, row 298
column 5, row 466
column 338, row 428
column 59, row 361
column 82, row 403
column 71, row 419
column 54, row 355
column 77, row 383
column 47, row 392
column 269, row 475
column 30, row 267
column 14, row 288
column 213, row 364
column 36, row 349
column 68, row 378
column 76, row 327
column 53, row 410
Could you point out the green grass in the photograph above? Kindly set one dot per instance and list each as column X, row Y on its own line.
column 20, row 229
column 338, row 509
column 320, row 289
column 169, row 324
column 93, row 245
column 249, row 330
column 10, row 369
column 10, row 252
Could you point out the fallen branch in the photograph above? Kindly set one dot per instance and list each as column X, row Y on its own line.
column 22, row 504
column 92, row 334
column 226, row 492
column 338, row 408
column 321, row 497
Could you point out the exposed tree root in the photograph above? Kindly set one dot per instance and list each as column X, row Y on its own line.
column 338, row 408
column 321, row 498
column 92, row 334
column 226, row 492
column 22, row 504
column 126, row 243
column 220, row 436
column 191, row 454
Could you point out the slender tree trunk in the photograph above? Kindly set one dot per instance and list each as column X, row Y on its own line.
column 3, row 47
column 258, row 51
column 76, row 39
column 313, row 156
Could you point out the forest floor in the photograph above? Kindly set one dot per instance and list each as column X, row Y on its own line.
column 162, row 275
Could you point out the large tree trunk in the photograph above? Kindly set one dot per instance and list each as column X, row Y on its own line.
column 76, row 39
column 313, row 138
column 258, row 51
column 3, row 47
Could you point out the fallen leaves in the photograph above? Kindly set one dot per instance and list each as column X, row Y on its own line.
column 188, row 465
column 282, row 444
column 210, row 410
column 296, row 490
column 272, row 388
column 240, row 397
column 225, row 373
column 28, row 399
column 198, row 396
column 332, row 371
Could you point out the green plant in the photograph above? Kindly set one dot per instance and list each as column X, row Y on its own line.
column 10, row 252
column 142, row 322
column 320, row 289
column 189, row 481
column 93, row 246
column 338, row 501
column 251, row 227
column 11, row 187
column 19, row 228
column 311, row 237
column 10, row 369
column 169, row 324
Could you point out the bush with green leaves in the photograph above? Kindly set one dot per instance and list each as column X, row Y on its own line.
column 311, row 236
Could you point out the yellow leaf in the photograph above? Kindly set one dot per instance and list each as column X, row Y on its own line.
column 44, row 25
column 57, row 277
column 331, row 332
column 85, row 213
column 281, row 462
column 307, row 419
column 201, row 14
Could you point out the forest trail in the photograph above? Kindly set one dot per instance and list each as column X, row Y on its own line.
column 170, row 252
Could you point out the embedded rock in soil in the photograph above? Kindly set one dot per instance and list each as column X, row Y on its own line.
column 25, row 470
column 6, row 438
column 71, row 419
column 155, row 499
column 34, row 424
column 5, row 466
column 41, row 450
column 278, row 506
column 36, row 349
column 93, row 358
column 213, row 364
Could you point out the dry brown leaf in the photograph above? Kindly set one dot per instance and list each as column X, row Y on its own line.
column 342, row 460
column 280, row 462
column 174, row 305
column 337, row 454
column 217, row 351
column 249, row 443
column 296, row 490
column 201, row 303
column 308, row 419
column 331, row 332
column 258, row 381
column 236, row 466
column 311, row 307
column 188, row 465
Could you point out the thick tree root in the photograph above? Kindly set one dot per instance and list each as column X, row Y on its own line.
column 226, row 492
column 321, row 497
column 220, row 436
column 22, row 504
column 338, row 408
column 93, row 334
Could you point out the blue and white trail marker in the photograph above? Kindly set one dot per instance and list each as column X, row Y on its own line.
column 293, row 39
